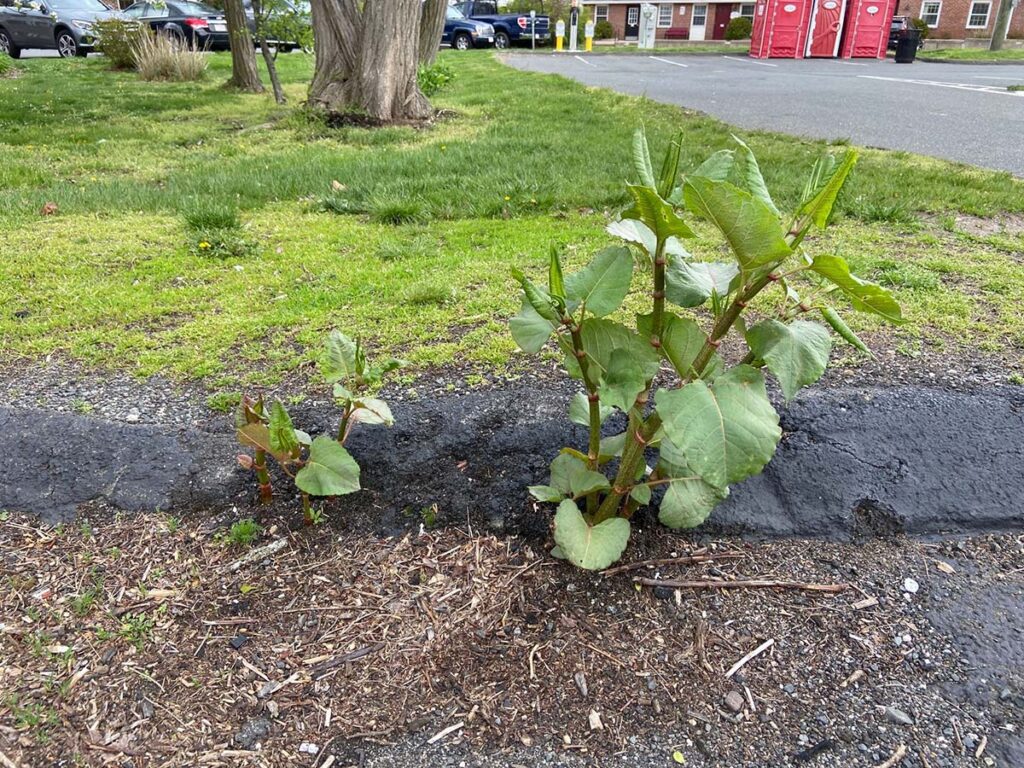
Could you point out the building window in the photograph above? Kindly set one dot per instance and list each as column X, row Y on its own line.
column 930, row 13
column 700, row 15
column 600, row 13
column 978, row 17
column 664, row 15
column 747, row 11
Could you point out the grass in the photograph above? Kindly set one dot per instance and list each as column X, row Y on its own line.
column 404, row 237
column 974, row 54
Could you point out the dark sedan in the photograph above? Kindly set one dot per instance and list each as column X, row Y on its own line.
column 192, row 23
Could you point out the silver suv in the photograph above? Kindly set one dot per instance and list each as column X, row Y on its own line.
column 61, row 25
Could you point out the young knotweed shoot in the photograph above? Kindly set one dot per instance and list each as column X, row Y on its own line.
column 320, row 466
column 714, row 425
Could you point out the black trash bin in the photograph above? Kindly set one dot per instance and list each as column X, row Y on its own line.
column 907, row 45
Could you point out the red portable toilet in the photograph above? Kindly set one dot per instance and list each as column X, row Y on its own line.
column 780, row 29
column 867, row 28
column 826, row 28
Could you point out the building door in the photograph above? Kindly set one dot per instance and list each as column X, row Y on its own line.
column 698, row 22
column 632, row 22
column 723, row 13
column 826, row 27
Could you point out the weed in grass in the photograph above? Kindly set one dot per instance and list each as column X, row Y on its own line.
column 203, row 215
column 172, row 524
column 223, row 402
column 396, row 211
column 136, row 628
column 38, row 642
column 243, row 532
column 430, row 294
column 35, row 717
column 434, row 78
column 221, row 244
column 82, row 604
column 1016, row 378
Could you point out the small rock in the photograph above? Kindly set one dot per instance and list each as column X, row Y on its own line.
column 133, row 416
column 734, row 701
column 308, row 748
column 898, row 716
column 238, row 641
column 789, row 688
column 581, row 682
column 254, row 730
column 663, row 593
column 147, row 709
column 911, row 586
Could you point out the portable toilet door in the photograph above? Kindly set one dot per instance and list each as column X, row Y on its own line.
column 826, row 28
column 780, row 29
column 867, row 29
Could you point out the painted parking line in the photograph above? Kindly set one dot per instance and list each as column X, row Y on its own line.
column 588, row 63
column 668, row 61
column 996, row 77
column 956, row 86
column 750, row 61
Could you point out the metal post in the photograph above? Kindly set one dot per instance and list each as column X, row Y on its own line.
column 533, row 30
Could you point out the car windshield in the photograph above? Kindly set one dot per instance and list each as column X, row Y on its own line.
column 78, row 5
column 455, row 13
column 195, row 9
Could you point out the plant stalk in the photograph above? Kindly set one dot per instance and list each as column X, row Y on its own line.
column 263, row 477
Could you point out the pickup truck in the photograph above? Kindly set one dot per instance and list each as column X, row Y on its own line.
column 509, row 28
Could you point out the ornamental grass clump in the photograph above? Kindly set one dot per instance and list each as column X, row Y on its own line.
column 707, row 425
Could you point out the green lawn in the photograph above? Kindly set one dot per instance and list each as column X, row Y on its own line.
column 413, row 245
column 974, row 54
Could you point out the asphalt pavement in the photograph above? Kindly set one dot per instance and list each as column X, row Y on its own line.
column 960, row 112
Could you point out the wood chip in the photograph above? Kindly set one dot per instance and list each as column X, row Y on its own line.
column 441, row 734
column 757, row 651
column 258, row 554
column 595, row 721
column 896, row 758
column 945, row 567
column 853, row 678
column 867, row 602
column 744, row 584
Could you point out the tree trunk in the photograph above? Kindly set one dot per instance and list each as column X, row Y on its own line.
column 366, row 60
column 244, row 74
column 431, row 28
column 268, row 57
column 1002, row 25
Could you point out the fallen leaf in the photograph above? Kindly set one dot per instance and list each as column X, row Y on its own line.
column 679, row 757
column 48, row 210
column 945, row 567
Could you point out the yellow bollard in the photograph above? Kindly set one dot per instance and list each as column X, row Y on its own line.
column 558, row 43
column 589, row 45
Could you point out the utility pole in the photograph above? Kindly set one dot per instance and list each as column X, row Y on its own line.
column 1002, row 24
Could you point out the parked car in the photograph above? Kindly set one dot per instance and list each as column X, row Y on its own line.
column 462, row 34
column 509, row 28
column 287, row 25
column 61, row 25
column 188, row 21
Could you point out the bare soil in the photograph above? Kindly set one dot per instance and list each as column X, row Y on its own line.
column 137, row 642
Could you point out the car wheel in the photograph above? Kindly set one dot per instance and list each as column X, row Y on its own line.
column 462, row 42
column 7, row 45
column 67, row 46
column 501, row 40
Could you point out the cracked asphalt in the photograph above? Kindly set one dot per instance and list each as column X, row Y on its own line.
column 959, row 112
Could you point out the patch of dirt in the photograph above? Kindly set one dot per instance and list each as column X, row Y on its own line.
column 1003, row 224
column 139, row 643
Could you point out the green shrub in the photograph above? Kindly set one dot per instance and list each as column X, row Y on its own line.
column 434, row 78
column 711, row 425
column 116, row 38
column 922, row 26
column 604, row 30
column 739, row 29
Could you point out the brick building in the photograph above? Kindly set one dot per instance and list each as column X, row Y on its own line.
column 959, row 19
column 681, row 21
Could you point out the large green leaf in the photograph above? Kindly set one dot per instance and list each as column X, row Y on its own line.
column 603, row 283
column 839, row 326
column 718, row 167
column 688, row 498
column 329, row 471
column 659, row 216
column 339, row 361
column 681, row 340
column 751, row 229
column 690, row 283
column 819, row 207
column 591, row 547
column 638, row 233
column 579, row 410
column 571, row 476
column 797, row 352
column 642, row 159
column 600, row 338
column 556, row 281
column 529, row 329
column 370, row 410
column 865, row 296
column 623, row 382
column 726, row 431
column 283, row 439
column 750, row 175
column 670, row 167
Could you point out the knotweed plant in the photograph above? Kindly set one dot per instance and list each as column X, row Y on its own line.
column 320, row 466
column 711, row 424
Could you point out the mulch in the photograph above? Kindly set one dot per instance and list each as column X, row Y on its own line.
column 149, row 641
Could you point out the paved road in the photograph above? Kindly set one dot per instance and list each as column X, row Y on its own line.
column 955, row 111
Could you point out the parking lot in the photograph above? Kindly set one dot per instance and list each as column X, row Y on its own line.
column 961, row 112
